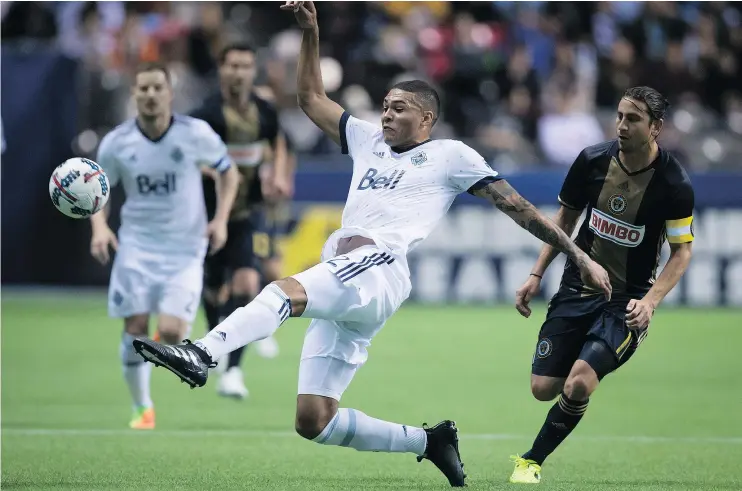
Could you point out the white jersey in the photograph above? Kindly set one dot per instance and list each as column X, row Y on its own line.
column 164, row 211
column 398, row 199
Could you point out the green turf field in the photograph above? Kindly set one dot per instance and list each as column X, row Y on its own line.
column 669, row 420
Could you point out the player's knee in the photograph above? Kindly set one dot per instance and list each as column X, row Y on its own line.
column 296, row 293
column 310, row 424
column 546, row 390
column 137, row 325
column 313, row 414
column 579, row 387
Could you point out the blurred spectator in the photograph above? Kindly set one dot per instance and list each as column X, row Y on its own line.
column 525, row 82
column 566, row 129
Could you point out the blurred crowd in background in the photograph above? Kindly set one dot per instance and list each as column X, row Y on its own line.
column 528, row 84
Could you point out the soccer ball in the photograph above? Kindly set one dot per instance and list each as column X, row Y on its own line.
column 79, row 188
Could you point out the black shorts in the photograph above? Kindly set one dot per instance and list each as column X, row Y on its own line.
column 239, row 252
column 271, row 223
column 265, row 235
column 572, row 321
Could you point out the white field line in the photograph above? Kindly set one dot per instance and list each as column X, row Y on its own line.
column 195, row 433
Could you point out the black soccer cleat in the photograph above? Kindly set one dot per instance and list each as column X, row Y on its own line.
column 443, row 451
column 187, row 361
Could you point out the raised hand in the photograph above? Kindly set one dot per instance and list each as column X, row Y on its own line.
column 305, row 13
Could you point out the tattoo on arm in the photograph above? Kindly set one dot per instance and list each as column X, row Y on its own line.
column 509, row 201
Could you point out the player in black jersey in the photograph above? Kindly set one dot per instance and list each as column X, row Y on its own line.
column 276, row 216
column 636, row 195
column 249, row 126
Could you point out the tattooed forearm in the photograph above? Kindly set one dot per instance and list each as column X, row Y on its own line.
column 544, row 232
column 504, row 197
column 507, row 200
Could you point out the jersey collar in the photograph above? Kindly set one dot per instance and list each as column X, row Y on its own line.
column 402, row 149
column 172, row 122
column 657, row 162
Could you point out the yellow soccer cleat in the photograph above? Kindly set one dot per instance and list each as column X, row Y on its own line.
column 526, row 471
column 144, row 419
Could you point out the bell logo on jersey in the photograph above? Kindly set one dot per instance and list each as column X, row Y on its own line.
column 158, row 187
column 370, row 181
column 609, row 228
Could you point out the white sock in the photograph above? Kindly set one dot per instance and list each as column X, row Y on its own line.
column 354, row 429
column 136, row 372
column 253, row 322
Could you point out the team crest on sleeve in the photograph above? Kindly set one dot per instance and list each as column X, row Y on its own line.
column 617, row 204
column 419, row 158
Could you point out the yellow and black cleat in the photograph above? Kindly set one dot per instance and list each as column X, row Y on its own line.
column 525, row 472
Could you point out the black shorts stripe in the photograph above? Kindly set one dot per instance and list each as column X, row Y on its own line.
column 354, row 269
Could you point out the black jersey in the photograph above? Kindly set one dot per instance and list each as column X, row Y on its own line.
column 247, row 136
column 629, row 215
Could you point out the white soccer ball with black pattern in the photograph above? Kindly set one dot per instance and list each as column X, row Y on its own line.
column 79, row 188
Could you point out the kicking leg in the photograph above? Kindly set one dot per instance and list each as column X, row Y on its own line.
column 361, row 288
column 256, row 320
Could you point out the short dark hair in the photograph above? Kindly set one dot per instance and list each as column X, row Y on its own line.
column 425, row 95
column 153, row 66
column 240, row 46
column 656, row 103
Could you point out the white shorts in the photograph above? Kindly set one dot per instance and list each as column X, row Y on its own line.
column 349, row 298
column 143, row 282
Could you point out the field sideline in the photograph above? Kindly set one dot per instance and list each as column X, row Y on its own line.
column 669, row 420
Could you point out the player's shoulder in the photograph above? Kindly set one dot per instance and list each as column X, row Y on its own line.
column 362, row 131
column 673, row 171
column 600, row 151
column 455, row 148
column 192, row 125
column 119, row 135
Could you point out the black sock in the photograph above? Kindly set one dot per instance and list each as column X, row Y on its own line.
column 235, row 302
column 212, row 311
column 561, row 420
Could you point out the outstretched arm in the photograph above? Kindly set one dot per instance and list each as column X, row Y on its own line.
column 507, row 200
column 566, row 219
column 313, row 100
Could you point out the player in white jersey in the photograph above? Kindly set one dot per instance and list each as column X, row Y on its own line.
column 402, row 184
column 164, row 233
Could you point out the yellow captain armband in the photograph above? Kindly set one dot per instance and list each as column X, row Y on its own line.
column 680, row 231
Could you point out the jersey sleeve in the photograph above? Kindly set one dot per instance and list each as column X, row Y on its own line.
column 573, row 194
column 211, row 149
column 679, row 223
column 467, row 170
column 355, row 133
column 108, row 160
